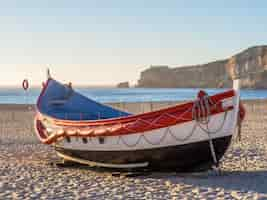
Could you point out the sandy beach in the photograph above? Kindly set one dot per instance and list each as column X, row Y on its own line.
column 27, row 170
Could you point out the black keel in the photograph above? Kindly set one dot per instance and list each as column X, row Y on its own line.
column 189, row 157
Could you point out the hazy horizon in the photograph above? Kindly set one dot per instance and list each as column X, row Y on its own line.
column 96, row 43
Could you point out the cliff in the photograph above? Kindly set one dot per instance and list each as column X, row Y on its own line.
column 212, row 75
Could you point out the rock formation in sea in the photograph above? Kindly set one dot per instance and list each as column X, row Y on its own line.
column 123, row 85
column 212, row 75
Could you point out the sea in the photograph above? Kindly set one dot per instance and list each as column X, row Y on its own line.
column 110, row 95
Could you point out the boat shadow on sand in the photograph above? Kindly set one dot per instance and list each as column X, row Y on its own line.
column 229, row 180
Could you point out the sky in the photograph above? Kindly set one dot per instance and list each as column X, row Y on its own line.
column 105, row 42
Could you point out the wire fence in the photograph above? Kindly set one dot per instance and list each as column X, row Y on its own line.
column 16, row 126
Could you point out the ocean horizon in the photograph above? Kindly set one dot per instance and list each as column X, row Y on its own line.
column 11, row 95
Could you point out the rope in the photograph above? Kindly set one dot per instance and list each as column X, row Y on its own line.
column 203, row 117
column 166, row 132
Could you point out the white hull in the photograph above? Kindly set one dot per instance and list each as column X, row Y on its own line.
column 221, row 125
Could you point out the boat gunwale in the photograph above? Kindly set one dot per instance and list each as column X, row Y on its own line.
column 176, row 108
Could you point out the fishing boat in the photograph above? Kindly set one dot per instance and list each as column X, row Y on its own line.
column 183, row 137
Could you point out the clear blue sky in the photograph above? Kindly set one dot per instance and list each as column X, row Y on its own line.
column 105, row 42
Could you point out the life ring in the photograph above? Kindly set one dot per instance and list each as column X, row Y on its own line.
column 25, row 84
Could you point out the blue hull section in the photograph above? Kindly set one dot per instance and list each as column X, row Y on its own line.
column 62, row 102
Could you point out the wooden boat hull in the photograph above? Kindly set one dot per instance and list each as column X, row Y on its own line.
column 183, row 137
column 187, row 157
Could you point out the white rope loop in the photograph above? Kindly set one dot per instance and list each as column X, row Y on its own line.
column 202, row 113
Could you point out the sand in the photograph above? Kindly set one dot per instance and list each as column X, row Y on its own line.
column 27, row 172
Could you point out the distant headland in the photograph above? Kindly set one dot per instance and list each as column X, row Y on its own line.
column 211, row 75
